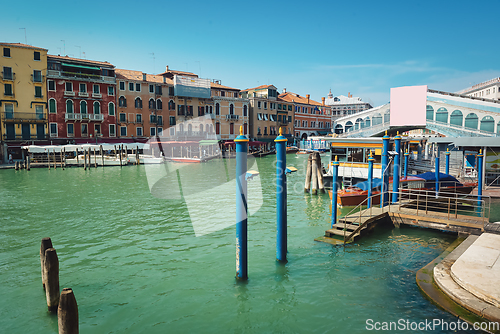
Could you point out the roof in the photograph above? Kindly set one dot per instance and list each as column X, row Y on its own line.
column 137, row 76
column 259, row 87
column 173, row 72
column 87, row 61
column 21, row 45
column 292, row 97
column 344, row 100
column 219, row 86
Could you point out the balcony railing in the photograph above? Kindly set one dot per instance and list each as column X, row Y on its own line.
column 8, row 76
column 232, row 117
column 23, row 116
column 92, row 77
column 69, row 93
column 97, row 95
column 83, row 94
column 80, row 117
column 25, row 137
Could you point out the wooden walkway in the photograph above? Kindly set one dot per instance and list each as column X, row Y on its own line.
column 408, row 213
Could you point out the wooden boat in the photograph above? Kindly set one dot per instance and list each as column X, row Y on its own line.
column 259, row 154
column 292, row 149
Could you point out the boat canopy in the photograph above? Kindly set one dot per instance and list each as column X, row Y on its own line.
column 376, row 182
column 446, row 180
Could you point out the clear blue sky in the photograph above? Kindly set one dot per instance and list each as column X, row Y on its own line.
column 307, row 47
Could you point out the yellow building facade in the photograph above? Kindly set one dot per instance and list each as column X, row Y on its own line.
column 23, row 96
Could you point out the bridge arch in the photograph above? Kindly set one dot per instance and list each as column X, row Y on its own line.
column 442, row 115
column 339, row 129
column 457, row 118
column 471, row 121
column 376, row 119
column 348, row 126
column 429, row 114
column 367, row 122
column 487, row 124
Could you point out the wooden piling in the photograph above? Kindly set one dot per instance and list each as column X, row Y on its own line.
column 61, row 157
column 314, row 176
column 46, row 244
column 321, row 186
column 307, row 186
column 101, row 151
column 67, row 313
column 28, row 162
column 77, row 160
column 95, row 159
column 48, row 159
column 55, row 160
column 84, row 159
column 51, row 269
column 120, row 155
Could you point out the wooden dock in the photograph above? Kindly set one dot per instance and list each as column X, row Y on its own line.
column 453, row 215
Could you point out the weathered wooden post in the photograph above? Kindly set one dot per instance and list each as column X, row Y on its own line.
column 307, row 186
column 46, row 244
column 314, row 176
column 67, row 313
column 321, row 186
column 84, row 159
column 48, row 159
column 281, row 218
column 101, row 151
column 51, row 269
column 241, row 207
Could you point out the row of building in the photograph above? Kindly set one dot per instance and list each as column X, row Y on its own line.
column 59, row 99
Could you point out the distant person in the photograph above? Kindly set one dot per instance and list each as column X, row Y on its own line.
column 10, row 159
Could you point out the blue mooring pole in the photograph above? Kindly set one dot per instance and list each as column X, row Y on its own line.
column 335, row 173
column 436, row 168
column 241, row 207
column 370, row 179
column 397, row 167
column 385, row 171
column 406, row 164
column 447, row 168
column 281, row 219
column 479, row 178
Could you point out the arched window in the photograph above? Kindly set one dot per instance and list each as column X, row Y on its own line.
column 171, row 105
column 358, row 124
column 376, row 119
column 52, row 106
column 111, row 109
column 152, row 104
column 122, row 101
column 442, row 115
column 159, row 104
column 83, row 107
column 339, row 129
column 471, row 121
column 429, row 113
column 245, row 110
column 217, row 109
column 97, row 108
column 348, row 126
column 217, row 128
column 487, row 124
column 138, row 103
column 387, row 116
column 231, row 109
column 69, row 106
column 456, row 118
column 367, row 122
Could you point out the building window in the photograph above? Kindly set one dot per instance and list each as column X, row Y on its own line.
column 36, row 55
column 235, row 94
column 160, row 120
column 137, row 87
column 97, row 108
column 122, row 101
column 8, row 89
column 83, row 88
column 159, row 104
column 245, row 110
column 97, row 129
column 258, row 131
column 97, row 89
column 222, row 93
column 258, row 104
column 52, row 106
column 123, row 131
column 83, row 107
column 217, row 128
column 70, row 129
column 123, row 117
column 231, row 109
column 111, row 109
column 69, row 106
column 138, row 118
column 138, row 103
column 38, row 91
column 152, row 119
column 69, row 86
column 111, row 91
column 180, row 110
column 53, row 129
column 217, row 109
column 7, row 73
column 112, row 130
column 131, row 86
column 201, row 111
column 85, row 130
column 6, row 52
column 152, row 104
column 122, row 85
column 37, row 76
column 9, row 110
column 139, row 131
column 152, row 132
column 171, row 105
column 265, row 105
column 259, row 117
column 158, row 90
column 151, row 88
column 171, row 91
column 265, row 130
column 172, row 120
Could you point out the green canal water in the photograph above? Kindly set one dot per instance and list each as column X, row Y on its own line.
column 136, row 265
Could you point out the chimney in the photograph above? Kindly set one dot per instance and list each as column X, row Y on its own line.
column 284, row 90
column 323, row 101
column 166, row 68
column 349, row 95
column 308, row 96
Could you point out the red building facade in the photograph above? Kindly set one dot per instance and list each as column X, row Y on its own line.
column 81, row 99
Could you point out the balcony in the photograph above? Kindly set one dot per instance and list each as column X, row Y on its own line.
column 25, row 137
column 8, row 76
column 68, row 93
column 29, row 117
column 83, row 94
column 97, row 95
column 232, row 117
column 80, row 76
column 80, row 117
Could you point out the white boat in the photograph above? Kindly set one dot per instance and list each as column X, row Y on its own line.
column 146, row 159
column 100, row 160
